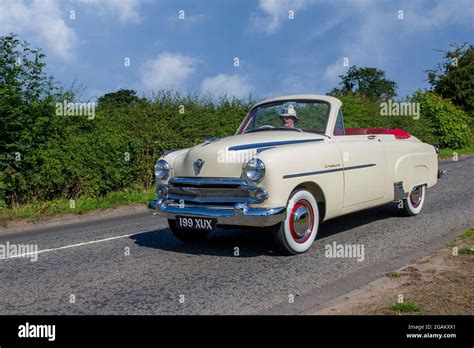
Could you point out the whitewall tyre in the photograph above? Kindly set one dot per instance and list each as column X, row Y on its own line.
column 297, row 233
column 415, row 200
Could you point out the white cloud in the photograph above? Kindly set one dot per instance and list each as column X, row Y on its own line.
column 167, row 71
column 41, row 19
column 128, row 11
column 443, row 13
column 332, row 72
column 328, row 25
column 46, row 21
column 274, row 12
column 232, row 85
column 377, row 34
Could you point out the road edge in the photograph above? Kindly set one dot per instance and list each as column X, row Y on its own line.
column 70, row 219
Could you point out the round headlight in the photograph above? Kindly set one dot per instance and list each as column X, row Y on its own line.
column 255, row 170
column 162, row 169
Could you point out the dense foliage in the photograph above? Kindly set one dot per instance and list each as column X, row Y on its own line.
column 450, row 124
column 368, row 82
column 454, row 78
column 439, row 122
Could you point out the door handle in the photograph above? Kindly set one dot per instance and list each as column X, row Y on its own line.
column 370, row 136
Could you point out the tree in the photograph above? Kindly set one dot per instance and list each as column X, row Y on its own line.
column 369, row 82
column 454, row 78
column 122, row 97
column 27, row 98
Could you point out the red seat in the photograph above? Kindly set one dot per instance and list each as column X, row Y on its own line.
column 397, row 132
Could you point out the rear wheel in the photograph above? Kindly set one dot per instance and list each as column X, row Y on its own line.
column 187, row 235
column 297, row 233
column 415, row 200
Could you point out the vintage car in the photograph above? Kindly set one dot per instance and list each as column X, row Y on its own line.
column 290, row 166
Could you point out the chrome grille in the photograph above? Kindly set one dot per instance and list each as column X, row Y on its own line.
column 214, row 191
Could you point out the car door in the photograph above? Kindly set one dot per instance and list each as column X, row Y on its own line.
column 365, row 165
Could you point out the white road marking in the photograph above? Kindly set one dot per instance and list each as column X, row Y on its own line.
column 72, row 246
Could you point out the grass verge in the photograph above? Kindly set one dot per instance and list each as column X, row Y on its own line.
column 406, row 307
column 469, row 234
column 451, row 153
column 41, row 210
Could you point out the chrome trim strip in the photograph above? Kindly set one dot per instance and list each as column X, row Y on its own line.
column 289, row 176
column 210, row 200
column 214, row 195
column 208, row 181
column 271, row 143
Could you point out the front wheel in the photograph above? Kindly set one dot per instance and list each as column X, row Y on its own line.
column 297, row 233
column 414, row 202
column 187, row 235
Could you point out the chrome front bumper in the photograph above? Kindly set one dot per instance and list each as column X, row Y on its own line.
column 240, row 214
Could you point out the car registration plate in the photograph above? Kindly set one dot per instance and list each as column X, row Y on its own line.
column 195, row 223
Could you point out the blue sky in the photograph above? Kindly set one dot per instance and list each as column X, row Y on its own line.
column 277, row 54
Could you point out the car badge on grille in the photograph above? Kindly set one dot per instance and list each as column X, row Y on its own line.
column 198, row 165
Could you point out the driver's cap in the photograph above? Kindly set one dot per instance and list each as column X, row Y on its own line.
column 289, row 111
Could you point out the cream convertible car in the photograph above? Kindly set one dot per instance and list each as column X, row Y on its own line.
column 290, row 166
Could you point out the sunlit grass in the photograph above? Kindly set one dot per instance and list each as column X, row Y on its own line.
column 406, row 307
column 40, row 210
column 469, row 233
column 450, row 153
column 465, row 251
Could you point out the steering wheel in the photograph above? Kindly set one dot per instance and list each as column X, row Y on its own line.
column 265, row 126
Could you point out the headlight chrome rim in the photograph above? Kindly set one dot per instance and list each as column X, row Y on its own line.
column 255, row 170
column 162, row 169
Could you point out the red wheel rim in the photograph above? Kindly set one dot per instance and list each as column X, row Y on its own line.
column 301, row 221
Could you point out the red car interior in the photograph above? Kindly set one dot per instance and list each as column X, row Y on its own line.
column 397, row 132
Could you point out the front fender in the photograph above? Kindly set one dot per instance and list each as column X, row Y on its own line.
column 288, row 167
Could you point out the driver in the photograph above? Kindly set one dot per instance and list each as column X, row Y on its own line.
column 288, row 117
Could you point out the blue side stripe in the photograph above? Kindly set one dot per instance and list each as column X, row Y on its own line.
column 271, row 143
column 289, row 176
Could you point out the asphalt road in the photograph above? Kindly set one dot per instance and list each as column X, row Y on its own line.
column 133, row 264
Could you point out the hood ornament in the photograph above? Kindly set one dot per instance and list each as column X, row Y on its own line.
column 198, row 165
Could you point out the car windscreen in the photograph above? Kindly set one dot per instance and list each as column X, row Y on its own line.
column 311, row 116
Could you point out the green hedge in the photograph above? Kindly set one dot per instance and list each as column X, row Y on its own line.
column 118, row 148
column 450, row 123
column 439, row 123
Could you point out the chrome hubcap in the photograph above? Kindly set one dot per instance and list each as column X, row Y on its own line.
column 301, row 221
column 416, row 196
